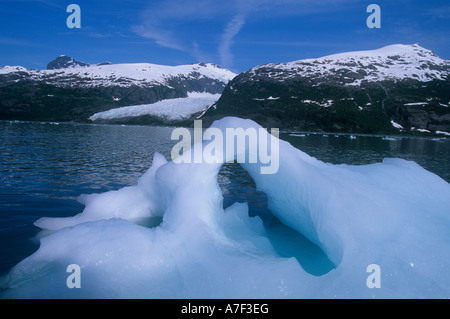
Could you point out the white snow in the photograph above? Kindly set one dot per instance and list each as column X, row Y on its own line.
column 416, row 104
column 326, row 103
column 443, row 133
column 422, row 130
column 396, row 125
column 394, row 214
column 9, row 69
column 270, row 98
column 170, row 109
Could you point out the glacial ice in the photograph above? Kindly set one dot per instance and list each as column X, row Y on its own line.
column 170, row 109
column 394, row 214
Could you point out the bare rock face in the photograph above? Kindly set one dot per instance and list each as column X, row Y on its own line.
column 63, row 62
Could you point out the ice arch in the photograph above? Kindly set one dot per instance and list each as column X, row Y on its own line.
column 167, row 186
column 394, row 214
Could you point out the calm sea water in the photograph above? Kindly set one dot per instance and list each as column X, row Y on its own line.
column 44, row 167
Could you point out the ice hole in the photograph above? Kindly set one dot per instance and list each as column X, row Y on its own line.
column 150, row 222
column 238, row 186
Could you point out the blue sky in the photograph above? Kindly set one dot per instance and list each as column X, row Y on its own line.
column 236, row 34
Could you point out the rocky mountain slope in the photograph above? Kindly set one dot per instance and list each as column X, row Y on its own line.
column 392, row 89
column 69, row 90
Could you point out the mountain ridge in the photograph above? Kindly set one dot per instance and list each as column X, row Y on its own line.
column 394, row 89
column 356, row 92
column 73, row 91
column 389, row 62
column 123, row 74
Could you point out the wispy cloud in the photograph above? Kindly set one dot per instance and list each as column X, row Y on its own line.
column 442, row 12
column 164, row 38
column 19, row 42
column 246, row 8
column 231, row 30
column 162, row 21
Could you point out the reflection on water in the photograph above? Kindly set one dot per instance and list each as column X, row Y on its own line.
column 44, row 167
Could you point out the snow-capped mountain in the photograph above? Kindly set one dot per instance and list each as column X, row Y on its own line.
column 73, row 90
column 65, row 71
column 393, row 62
column 391, row 89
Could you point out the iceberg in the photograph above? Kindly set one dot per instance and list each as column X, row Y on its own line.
column 169, row 235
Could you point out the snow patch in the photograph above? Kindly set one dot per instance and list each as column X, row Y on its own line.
column 270, row 98
column 9, row 69
column 422, row 130
column 396, row 125
column 416, row 104
column 443, row 133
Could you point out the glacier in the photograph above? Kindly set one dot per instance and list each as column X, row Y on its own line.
column 169, row 109
column 169, row 235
